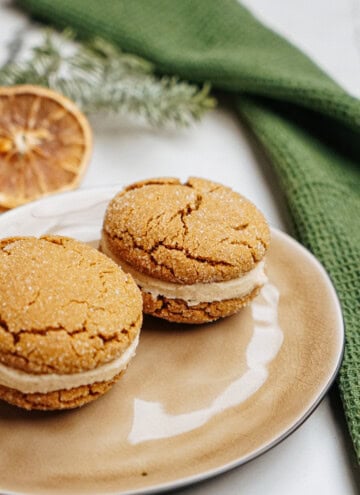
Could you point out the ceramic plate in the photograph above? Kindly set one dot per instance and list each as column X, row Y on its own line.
column 196, row 400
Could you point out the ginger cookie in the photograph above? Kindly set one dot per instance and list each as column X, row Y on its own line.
column 196, row 250
column 69, row 322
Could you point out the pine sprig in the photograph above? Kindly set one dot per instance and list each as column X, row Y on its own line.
column 101, row 78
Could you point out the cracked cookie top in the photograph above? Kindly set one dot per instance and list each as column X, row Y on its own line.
column 64, row 307
column 200, row 231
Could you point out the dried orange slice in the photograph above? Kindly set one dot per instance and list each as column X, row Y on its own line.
column 45, row 144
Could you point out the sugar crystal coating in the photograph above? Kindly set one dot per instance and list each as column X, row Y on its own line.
column 64, row 307
column 188, row 233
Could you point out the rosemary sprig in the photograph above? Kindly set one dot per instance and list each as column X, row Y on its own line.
column 101, row 78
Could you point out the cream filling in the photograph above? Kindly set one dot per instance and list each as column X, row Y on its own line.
column 195, row 293
column 29, row 383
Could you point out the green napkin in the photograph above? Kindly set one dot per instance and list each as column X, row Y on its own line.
column 309, row 127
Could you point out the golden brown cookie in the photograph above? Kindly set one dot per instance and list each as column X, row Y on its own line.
column 196, row 250
column 69, row 322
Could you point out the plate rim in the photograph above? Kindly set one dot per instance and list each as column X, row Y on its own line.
column 212, row 473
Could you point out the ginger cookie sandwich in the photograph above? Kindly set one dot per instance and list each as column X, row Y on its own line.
column 69, row 322
column 196, row 250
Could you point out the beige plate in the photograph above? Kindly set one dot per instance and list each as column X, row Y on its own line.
column 196, row 401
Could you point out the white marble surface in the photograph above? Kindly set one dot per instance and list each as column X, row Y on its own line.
column 317, row 458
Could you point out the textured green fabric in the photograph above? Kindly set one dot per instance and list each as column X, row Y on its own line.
column 308, row 125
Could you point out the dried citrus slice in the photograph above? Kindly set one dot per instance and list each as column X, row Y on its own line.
column 45, row 144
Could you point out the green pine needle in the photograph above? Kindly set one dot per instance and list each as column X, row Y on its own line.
column 101, row 78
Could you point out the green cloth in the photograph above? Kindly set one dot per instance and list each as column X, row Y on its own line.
column 309, row 127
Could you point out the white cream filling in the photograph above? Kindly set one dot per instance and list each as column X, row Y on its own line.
column 195, row 293
column 29, row 383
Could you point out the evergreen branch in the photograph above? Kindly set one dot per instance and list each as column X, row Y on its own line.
column 101, row 78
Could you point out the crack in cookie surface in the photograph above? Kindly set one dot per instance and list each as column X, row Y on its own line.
column 64, row 306
column 199, row 231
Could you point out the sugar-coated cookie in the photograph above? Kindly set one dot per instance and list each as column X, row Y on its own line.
column 69, row 322
column 196, row 250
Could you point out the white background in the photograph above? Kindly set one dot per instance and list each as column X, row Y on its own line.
column 317, row 458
